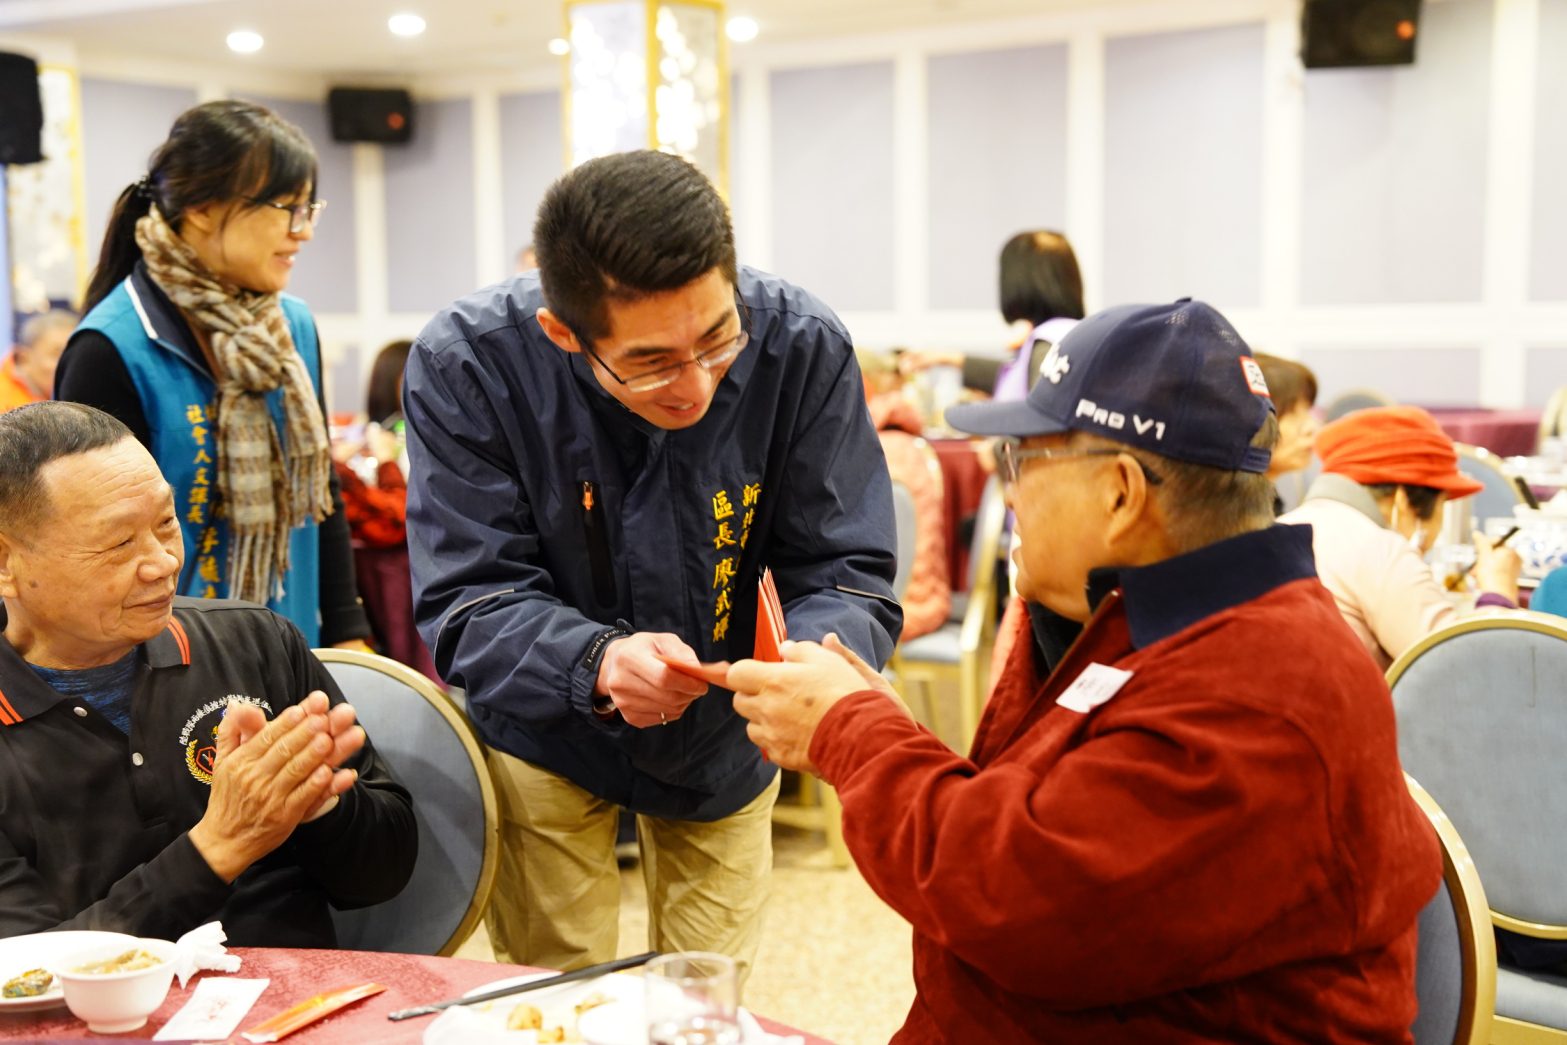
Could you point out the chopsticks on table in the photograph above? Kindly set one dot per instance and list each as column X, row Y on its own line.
column 1454, row 580
column 588, row 973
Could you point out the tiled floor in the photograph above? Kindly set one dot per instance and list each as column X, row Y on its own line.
column 835, row 959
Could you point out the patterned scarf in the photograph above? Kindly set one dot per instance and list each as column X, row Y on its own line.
column 269, row 485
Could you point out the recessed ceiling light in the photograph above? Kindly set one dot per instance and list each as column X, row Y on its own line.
column 244, row 41
column 742, row 29
column 405, row 24
column 559, row 46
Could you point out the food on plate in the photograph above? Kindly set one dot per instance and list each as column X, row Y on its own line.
column 551, row 1034
column 30, row 984
column 524, row 1017
column 593, row 1001
column 129, row 961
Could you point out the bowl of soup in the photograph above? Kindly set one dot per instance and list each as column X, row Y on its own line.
column 114, row 988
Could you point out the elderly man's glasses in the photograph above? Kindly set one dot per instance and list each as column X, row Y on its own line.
column 1010, row 456
column 718, row 356
column 300, row 215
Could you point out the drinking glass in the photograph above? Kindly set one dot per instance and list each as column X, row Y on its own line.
column 693, row 998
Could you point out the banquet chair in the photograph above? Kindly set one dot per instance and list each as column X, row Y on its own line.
column 1501, row 494
column 905, row 524
column 430, row 749
column 1455, row 966
column 1482, row 722
column 1355, row 399
column 957, row 654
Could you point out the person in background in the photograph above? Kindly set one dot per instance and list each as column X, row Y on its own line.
column 1041, row 289
column 145, row 789
column 1376, row 510
column 190, row 340
column 1294, row 390
column 927, row 597
column 1157, row 841
column 27, row 375
column 604, row 455
column 375, row 499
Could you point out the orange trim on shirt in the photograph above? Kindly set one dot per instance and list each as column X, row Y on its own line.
column 8, row 715
column 180, row 638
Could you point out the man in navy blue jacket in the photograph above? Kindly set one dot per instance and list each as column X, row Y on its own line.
column 604, row 456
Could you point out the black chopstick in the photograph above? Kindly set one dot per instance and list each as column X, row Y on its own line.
column 588, row 973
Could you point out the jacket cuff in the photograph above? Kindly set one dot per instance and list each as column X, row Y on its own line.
column 585, row 676
column 1494, row 599
column 854, row 730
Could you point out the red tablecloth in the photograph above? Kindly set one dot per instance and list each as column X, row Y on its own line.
column 963, row 484
column 1509, row 433
column 410, row 979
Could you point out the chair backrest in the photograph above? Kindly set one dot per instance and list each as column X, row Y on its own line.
column 1355, row 399
column 1500, row 495
column 906, row 522
column 1455, row 967
column 1482, row 724
column 431, row 751
column 990, row 522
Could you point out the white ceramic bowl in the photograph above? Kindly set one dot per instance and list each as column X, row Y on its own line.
column 117, row 1002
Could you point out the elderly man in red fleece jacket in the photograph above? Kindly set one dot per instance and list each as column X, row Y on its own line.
column 1195, row 828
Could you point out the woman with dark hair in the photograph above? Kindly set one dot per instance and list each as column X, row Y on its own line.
column 384, row 399
column 1041, row 286
column 190, row 340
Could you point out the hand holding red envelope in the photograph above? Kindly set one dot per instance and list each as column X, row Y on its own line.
column 771, row 633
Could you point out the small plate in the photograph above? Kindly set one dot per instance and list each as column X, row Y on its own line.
column 39, row 951
column 558, row 1004
column 618, row 1023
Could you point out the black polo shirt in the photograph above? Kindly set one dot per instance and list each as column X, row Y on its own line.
column 93, row 823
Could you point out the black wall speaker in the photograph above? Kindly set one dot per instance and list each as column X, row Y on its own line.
column 1341, row 33
column 363, row 114
column 21, row 110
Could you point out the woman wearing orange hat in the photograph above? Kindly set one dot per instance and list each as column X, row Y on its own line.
column 1375, row 512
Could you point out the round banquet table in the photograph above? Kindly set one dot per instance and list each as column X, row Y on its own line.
column 410, row 980
column 1506, row 433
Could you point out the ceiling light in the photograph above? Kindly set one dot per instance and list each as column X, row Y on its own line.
column 405, row 24
column 742, row 29
column 244, row 41
column 559, row 46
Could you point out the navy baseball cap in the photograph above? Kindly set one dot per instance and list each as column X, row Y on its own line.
column 1176, row 380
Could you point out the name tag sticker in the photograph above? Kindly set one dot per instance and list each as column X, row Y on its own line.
column 1097, row 684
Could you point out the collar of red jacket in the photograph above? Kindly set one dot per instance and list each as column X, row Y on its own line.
column 1170, row 596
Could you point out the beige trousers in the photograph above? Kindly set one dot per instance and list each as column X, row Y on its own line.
column 557, row 887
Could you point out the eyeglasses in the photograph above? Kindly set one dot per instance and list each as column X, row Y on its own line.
column 299, row 214
column 1010, row 456
column 711, row 360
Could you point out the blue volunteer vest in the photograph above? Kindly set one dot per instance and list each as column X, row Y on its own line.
column 178, row 397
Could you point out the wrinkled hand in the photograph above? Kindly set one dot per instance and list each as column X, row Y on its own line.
column 1496, row 569
column 784, row 703
column 647, row 691
column 269, row 777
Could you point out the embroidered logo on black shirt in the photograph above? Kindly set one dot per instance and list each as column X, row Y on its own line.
column 199, row 736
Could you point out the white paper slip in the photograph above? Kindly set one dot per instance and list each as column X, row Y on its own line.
column 1097, row 684
column 214, row 1011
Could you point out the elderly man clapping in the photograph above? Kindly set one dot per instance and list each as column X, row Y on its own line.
column 163, row 761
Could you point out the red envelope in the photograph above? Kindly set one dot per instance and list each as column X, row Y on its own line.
column 770, row 629
column 714, row 674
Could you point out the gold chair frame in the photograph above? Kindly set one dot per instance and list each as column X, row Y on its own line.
column 1504, row 1029
column 448, row 710
column 1478, row 1007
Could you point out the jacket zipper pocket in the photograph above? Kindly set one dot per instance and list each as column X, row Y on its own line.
column 598, row 545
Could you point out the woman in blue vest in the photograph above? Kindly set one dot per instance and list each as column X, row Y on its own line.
column 190, row 340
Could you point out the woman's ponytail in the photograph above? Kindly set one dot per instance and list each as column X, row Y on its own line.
column 120, row 252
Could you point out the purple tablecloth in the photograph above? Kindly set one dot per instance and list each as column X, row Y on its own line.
column 1508, row 433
